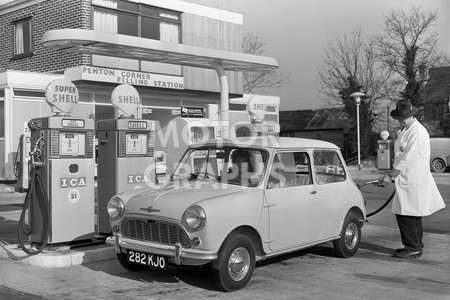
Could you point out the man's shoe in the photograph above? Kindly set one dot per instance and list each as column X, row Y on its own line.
column 408, row 254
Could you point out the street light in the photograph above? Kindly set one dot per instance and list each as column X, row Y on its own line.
column 357, row 96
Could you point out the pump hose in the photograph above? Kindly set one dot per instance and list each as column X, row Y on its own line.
column 36, row 195
column 383, row 206
column 16, row 168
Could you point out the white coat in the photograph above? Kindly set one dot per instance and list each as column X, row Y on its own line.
column 416, row 193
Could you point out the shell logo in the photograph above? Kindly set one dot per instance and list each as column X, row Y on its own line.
column 126, row 98
column 62, row 94
column 256, row 107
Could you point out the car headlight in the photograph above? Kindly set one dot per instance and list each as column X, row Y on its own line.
column 194, row 218
column 115, row 208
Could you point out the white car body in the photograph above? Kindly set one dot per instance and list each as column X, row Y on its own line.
column 276, row 220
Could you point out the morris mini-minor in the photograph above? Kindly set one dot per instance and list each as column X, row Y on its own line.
column 231, row 203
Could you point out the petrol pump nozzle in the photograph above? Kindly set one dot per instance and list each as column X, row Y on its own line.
column 35, row 155
column 378, row 182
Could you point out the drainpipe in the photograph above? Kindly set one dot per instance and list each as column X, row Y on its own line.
column 224, row 124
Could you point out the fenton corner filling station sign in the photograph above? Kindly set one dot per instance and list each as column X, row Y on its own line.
column 124, row 76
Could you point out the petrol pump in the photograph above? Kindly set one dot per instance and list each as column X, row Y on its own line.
column 60, row 199
column 385, row 152
column 256, row 109
column 126, row 159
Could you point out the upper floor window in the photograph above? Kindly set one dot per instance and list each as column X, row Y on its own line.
column 2, row 119
column 129, row 18
column 23, row 37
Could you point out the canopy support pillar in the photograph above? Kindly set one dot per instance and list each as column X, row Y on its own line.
column 224, row 124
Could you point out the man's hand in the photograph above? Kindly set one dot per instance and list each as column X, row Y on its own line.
column 389, row 177
column 384, row 179
column 394, row 173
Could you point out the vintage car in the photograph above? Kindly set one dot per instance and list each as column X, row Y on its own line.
column 231, row 203
column 439, row 153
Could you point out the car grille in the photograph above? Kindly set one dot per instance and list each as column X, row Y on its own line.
column 155, row 231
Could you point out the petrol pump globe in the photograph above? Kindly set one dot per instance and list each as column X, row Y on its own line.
column 384, row 134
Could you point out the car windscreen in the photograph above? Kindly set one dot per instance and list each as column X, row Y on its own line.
column 232, row 165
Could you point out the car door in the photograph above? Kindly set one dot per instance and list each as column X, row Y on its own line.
column 330, row 181
column 292, row 200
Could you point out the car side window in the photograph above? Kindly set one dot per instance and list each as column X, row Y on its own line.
column 328, row 167
column 289, row 169
column 302, row 168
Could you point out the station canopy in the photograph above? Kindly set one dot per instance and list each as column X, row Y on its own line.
column 124, row 46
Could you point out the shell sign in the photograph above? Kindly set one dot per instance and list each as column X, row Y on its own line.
column 256, row 108
column 126, row 98
column 62, row 94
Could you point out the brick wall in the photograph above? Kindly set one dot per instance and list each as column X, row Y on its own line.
column 60, row 14
column 46, row 15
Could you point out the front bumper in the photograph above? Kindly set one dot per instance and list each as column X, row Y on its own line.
column 176, row 254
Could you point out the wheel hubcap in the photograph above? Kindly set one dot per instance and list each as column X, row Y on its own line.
column 238, row 264
column 351, row 236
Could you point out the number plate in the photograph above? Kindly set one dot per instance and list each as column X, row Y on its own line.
column 147, row 259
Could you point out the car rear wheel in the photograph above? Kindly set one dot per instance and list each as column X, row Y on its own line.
column 235, row 264
column 122, row 257
column 438, row 165
column 348, row 243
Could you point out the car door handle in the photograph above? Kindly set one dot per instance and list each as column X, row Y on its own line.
column 313, row 192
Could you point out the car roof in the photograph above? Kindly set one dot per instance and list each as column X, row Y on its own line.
column 273, row 142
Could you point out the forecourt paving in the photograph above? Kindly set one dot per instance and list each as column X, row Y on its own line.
column 437, row 245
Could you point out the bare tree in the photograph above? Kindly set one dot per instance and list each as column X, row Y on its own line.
column 408, row 47
column 350, row 65
column 260, row 79
column 353, row 57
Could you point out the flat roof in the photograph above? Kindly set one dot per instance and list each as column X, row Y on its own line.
column 125, row 46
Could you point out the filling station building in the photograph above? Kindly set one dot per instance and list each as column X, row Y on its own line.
column 171, row 87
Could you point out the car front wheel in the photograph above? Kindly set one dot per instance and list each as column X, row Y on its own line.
column 348, row 243
column 235, row 264
column 438, row 165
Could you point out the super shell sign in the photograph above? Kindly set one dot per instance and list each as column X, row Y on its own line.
column 62, row 94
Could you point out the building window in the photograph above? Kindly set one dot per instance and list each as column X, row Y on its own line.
column 103, row 112
column 23, row 38
column 123, row 17
column 2, row 119
column 25, row 93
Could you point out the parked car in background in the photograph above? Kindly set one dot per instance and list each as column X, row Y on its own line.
column 231, row 203
column 439, row 153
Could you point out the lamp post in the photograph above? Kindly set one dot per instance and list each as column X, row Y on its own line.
column 357, row 96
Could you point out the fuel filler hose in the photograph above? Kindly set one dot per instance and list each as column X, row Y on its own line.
column 382, row 207
column 35, row 196
column 379, row 183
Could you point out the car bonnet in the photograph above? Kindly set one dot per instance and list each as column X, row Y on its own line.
column 172, row 200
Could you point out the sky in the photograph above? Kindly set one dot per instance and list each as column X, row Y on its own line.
column 295, row 32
